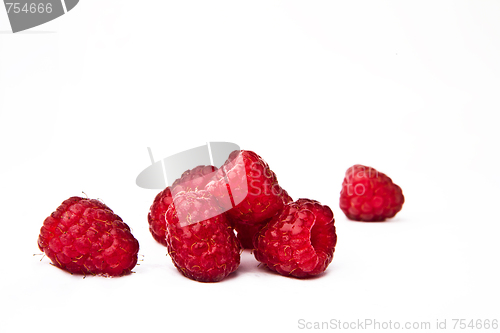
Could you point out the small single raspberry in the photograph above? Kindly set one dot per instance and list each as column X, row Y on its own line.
column 200, row 241
column 246, row 232
column 194, row 179
column 85, row 236
column 369, row 195
column 247, row 188
column 300, row 241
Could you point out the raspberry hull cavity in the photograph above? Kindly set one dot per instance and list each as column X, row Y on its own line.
column 300, row 241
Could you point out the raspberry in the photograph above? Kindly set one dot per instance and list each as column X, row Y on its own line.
column 200, row 241
column 85, row 236
column 156, row 216
column 369, row 195
column 247, row 188
column 193, row 179
column 246, row 232
column 300, row 241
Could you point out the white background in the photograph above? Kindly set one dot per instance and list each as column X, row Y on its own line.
column 410, row 88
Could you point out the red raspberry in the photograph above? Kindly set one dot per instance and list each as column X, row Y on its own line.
column 247, row 188
column 369, row 195
column 156, row 216
column 193, row 179
column 300, row 241
column 85, row 236
column 200, row 240
column 246, row 232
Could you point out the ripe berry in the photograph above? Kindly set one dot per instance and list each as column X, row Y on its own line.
column 246, row 232
column 200, row 240
column 246, row 188
column 190, row 180
column 369, row 195
column 156, row 215
column 300, row 241
column 85, row 236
